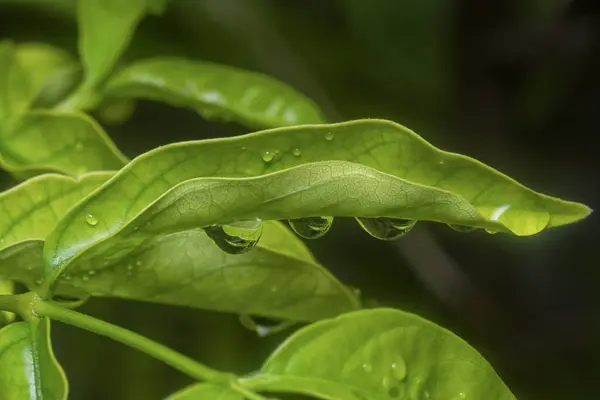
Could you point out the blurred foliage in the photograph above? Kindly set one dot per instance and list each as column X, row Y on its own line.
column 514, row 83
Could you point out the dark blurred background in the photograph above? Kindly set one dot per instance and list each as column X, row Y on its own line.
column 514, row 83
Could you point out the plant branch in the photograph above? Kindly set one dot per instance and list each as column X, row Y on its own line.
column 176, row 360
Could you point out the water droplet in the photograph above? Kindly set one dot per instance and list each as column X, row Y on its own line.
column 138, row 263
column 130, row 267
column 38, row 282
column 236, row 238
column 91, row 272
column 243, row 147
column 276, row 152
column 399, row 370
column 367, row 367
column 262, row 329
column 78, row 146
column 329, row 136
column 427, row 395
column 386, row 381
column 394, row 392
column 311, row 227
column 387, row 228
column 267, row 156
column 29, row 268
column 297, row 152
column 86, row 278
column 91, row 220
column 462, row 228
column 462, row 395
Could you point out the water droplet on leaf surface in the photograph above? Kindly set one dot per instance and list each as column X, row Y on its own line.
column 329, row 136
column 367, row 367
column 79, row 146
column 399, row 370
column 386, row 228
column 297, row 152
column 267, row 156
column 236, row 238
column 462, row 228
column 264, row 329
column 311, row 227
column 91, row 220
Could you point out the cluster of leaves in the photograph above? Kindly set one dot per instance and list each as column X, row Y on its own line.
column 88, row 222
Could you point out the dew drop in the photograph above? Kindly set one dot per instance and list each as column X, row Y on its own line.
column 86, row 278
column 267, row 156
column 276, row 152
column 386, row 228
column 462, row 228
column 399, row 370
column 92, row 272
column 29, row 268
column 38, row 282
column 311, row 227
column 297, row 152
column 264, row 329
column 138, row 263
column 236, row 238
column 329, row 136
column 367, row 367
column 91, row 220
column 78, row 146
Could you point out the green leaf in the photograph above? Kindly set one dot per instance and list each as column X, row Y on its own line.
column 28, row 369
column 6, row 287
column 31, row 210
column 215, row 91
column 26, row 70
column 170, row 189
column 206, row 391
column 379, row 354
column 105, row 30
column 278, row 279
column 70, row 143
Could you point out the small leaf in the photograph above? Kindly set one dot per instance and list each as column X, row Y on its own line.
column 277, row 279
column 206, row 391
column 105, row 30
column 28, row 369
column 170, row 189
column 70, row 143
column 6, row 287
column 215, row 91
column 380, row 354
column 28, row 212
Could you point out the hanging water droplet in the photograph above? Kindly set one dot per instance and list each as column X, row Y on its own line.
column 386, row 228
column 329, row 136
column 462, row 228
column 267, row 156
column 91, row 220
column 297, row 152
column 236, row 238
column 367, row 367
column 264, row 329
column 311, row 227
column 399, row 369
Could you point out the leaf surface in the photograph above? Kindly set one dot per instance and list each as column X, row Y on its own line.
column 66, row 142
column 28, row 369
column 105, row 30
column 366, row 168
column 215, row 91
column 206, row 391
column 6, row 287
column 379, row 354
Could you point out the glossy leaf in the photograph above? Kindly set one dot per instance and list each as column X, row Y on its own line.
column 105, row 30
column 6, row 287
column 277, row 279
column 379, row 354
column 31, row 210
column 71, row 143
column 215, row 91
column 28, row 369
column 169, row 189
column 206, row 391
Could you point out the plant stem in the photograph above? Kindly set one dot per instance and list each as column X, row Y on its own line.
column 10, row 303
column 248, row 394
column 178, row 361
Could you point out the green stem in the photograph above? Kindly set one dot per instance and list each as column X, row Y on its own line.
column 248, row 394
column 178, row 361
column 10, row 303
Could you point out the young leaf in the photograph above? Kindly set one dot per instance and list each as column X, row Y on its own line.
column 28, row 212
column 70, row 143
column 105, row 30
column 277, row 279
column 28, row 369
column 215, row 91
column 165, row 190
column 206, row 391
column 379, row 354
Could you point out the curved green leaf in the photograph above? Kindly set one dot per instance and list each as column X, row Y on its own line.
column 31, row 210
column 105, row 30
column 215, row 91
column 206, row 391
column 6, row 287
column 277, row 279
column 71, row 143
column 14, row 85
column 28, row 369
column 163, row 191
column 379, row 354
